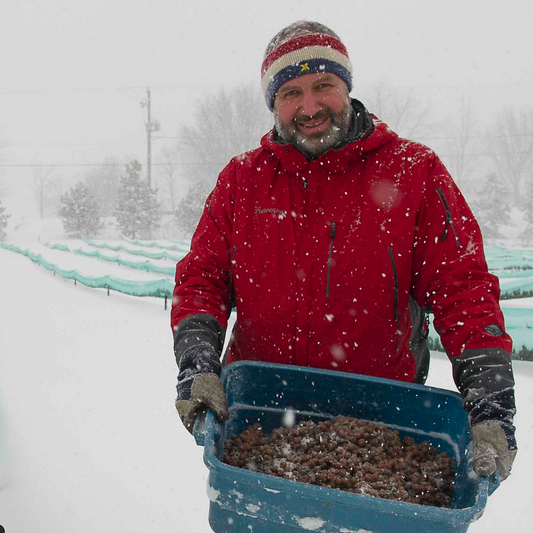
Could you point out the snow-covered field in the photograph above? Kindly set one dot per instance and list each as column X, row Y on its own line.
column 89, row 437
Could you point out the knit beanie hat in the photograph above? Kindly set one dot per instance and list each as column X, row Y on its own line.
column 304, row 47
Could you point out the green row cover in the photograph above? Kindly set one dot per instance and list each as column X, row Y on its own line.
column 524, row 283
column 145, row 265
column 180, row 246
column 519, row 321
column 509, row 286
column 121, row 248
column 499, row 258
column 157, row 288
column 512, row 273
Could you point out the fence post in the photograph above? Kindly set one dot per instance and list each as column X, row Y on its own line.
column 166, row 298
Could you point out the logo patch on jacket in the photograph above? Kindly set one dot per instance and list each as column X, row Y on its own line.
column 494, row 330
column 276, row 213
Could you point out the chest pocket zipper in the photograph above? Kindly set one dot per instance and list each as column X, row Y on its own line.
column 449, row 221
column 332, row 235
column 396, row 296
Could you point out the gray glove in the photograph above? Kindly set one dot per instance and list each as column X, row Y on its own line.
column 491, row 450
column 206, row 392
column 199, row 387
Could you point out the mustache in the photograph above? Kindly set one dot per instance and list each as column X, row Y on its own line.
column 323, row 113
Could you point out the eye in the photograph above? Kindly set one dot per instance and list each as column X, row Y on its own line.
column 290, row 94
column 323, row 87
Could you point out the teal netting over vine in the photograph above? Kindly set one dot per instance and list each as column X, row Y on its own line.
column 157, row 288
column 518, row 321
column 144, row 265
column 180, row 247
column 514, row 267
column 499, row 258
column 144, row 253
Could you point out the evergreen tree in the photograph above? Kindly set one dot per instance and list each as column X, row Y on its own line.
column 103, row 182
column 527, row 234
column 492, row 208
column 3, row 221
column 138, row 212
column 191, row 207
column 79, row 212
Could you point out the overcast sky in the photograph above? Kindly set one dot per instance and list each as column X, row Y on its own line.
column 72, row 73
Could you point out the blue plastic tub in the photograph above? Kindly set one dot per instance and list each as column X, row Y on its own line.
column 244, row 501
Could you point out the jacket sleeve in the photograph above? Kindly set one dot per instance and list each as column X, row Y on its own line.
column 450, row 274
column 201, row 301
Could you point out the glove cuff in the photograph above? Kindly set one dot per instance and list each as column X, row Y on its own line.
column 200, row 359
column 485, row 379
column 198, row 329
column 494, row 407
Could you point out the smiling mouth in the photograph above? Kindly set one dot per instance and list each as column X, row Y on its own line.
column 312, row 124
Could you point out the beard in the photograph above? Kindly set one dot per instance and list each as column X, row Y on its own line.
column 314, row 145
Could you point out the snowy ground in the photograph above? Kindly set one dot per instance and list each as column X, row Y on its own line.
column 89, row 437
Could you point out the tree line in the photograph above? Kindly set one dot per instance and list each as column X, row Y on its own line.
column 490, row 161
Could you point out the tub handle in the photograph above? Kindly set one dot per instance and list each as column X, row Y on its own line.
column 494, row 482
column 198, row 429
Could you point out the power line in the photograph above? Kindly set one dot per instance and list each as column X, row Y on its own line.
column 53, row 144
column 60, row 165
column 197, row 163
column 100, row 89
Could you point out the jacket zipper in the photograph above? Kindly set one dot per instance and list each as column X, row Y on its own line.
column 396, row 295
column 332, row 234
column 449, row 221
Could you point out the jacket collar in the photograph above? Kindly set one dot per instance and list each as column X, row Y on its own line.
column 367, row 133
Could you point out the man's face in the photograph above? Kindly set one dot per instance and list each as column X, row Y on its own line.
column 313, row 112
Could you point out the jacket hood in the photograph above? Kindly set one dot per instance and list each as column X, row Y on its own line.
column 370, row 133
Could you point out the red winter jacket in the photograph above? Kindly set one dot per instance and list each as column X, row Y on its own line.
column 323, row 255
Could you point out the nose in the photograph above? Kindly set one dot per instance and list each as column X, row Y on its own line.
column 310, row 104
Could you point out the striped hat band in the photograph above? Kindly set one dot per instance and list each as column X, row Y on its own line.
column 306, row 54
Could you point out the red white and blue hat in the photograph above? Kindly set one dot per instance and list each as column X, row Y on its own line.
column 305, row 54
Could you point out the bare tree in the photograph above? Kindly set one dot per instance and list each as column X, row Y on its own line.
column 491, row 207
column 510, row 148
column 226, row 124
column 405, row 111
column 4, row 216
column 526, row 236
column 46, row 188
column 169, row 173
column 4, row 191
column 461, row 141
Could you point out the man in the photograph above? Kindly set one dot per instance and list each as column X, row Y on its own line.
column 324, row 237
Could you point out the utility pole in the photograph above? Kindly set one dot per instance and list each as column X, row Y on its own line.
column 151, row 126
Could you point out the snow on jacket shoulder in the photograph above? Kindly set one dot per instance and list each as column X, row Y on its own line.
column 323, row 255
